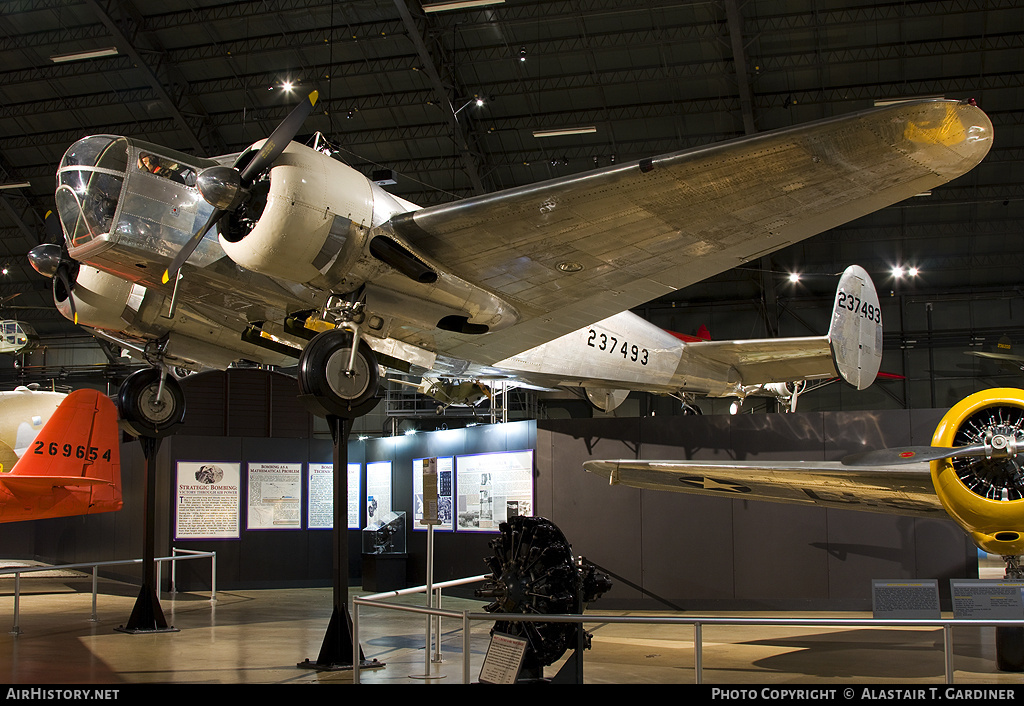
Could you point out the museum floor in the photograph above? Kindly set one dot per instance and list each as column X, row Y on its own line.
column 261, row 636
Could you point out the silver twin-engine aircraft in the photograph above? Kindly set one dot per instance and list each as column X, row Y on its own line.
column 283, row 253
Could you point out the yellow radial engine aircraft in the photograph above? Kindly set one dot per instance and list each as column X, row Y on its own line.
column 971, row 472
column 283, row 252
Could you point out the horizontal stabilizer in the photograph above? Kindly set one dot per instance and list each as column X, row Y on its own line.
column 24, row 485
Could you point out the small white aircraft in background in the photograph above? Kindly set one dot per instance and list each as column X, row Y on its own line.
column 17, row 337
column 283, row 252
column 23, row 413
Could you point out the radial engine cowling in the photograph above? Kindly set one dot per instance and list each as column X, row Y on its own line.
column 984, row 495
column 311, row 221
column 102, row 300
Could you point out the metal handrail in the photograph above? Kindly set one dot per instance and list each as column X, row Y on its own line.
column 698, row 623
column 95, row 565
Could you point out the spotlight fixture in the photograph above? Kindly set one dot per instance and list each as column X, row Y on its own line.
column 794, row 276
column 80, row 55
column 522, row 54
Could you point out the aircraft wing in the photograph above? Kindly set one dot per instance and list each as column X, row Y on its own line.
column 567, row 252
column 899, row 490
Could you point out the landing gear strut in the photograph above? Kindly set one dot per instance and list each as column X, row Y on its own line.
column 1010, row 640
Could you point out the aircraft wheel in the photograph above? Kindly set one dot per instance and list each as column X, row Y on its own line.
column 324, row 374
column 1010, row 649
column 142, row 411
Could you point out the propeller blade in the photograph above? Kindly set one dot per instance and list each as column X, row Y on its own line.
column 62, row 274
column 912, row 454
column 190, row 247
column 51, row 224
column 270, row 151
column 279, row 139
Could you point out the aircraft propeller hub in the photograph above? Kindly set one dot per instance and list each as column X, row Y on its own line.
column 45, row 259
column 997, row 475
column 221, row 187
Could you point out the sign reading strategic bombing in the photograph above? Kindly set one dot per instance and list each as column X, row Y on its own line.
column 207, row 504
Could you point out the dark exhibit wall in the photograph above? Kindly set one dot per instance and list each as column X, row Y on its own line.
column 662, row 549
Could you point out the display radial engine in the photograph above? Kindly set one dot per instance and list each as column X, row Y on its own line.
column 283, row 253
column 971, row 472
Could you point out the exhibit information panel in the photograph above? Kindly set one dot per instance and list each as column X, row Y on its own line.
column 445, row 493
column 320, row 505
column 208, row 504
column 378, row 490
column 275, row 496
column 987, row 599
column 492, row 487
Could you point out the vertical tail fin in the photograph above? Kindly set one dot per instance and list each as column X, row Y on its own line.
column 855, row 334
column 73, row 467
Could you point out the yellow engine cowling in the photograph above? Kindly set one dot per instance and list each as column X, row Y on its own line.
column 983, row 495
column 317, row 211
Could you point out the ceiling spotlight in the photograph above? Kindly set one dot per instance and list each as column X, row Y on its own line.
column 897, row 272
column 522, row 54
column 794, row 276
column 287, row 86
column 912, row 271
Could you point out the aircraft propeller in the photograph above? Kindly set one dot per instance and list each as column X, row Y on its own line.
column 997, row 446
column 52, row 260
column 225, row 188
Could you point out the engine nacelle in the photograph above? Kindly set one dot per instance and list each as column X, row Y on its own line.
column 314, row 221
column 101, row 299
column 985, row 496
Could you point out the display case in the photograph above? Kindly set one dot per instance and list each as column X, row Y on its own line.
column 384, row 553
column 385, row 534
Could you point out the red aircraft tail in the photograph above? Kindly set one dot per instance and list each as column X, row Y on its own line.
column 72, row 468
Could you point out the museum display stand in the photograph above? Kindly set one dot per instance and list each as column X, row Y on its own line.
column 337, row 651
column 151, row 406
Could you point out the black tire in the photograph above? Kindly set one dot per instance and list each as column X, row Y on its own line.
column 142, row 412
column 322, row 374
column 1010, row 649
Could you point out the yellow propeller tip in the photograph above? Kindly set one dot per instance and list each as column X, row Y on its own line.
column 166, row 277
column 313, row 97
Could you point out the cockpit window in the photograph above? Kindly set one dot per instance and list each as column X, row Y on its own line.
column 167, row 168
column 88, row 186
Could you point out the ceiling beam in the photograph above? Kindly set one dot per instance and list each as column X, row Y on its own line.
column 458, row 134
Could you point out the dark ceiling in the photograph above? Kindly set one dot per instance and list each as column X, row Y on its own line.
column 397, row 88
